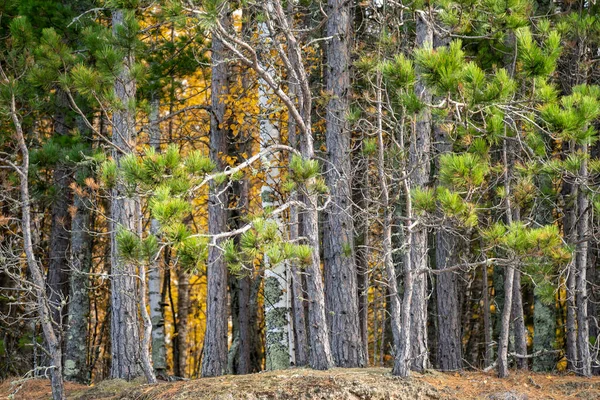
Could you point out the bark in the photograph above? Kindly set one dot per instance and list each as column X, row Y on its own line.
column 124, row 212
column 520, row 332
column 584, row 361
column 449, row 354
column 571, row 328
column 509, row 272
column 159, row 350
column 44, row 311
column 398, row 317
column 145, row 358
column 183, row 312
column 362, row 256
column 300, row 109
column 338, row 238
column 420, row 168
column 449, row 339
column 58, row 269
column 487, row 325
column 320, row 351
column 76, row 368
column 214, row 361
column 277, row 305
column 298, row 291
column 244, row 365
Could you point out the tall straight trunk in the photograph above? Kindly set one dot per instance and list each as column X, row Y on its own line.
column 298, row 292
column 76, row 368
column 419, row 160
column 449, row 349
column 338, row 237
column 58, row 269
column 584, row 361
column 320, row 356
column 279, row 353
column 569, row 229
column 124, row 212
column 449, row 339
column 320, row 351
column 159, row 349
column 214, row 361
column 57, row 280
column 44, row 312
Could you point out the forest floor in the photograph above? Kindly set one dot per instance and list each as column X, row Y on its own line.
column 353, row 384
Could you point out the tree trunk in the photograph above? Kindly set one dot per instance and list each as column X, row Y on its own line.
column 57, row 280
column 298, row 291
column 487, row 323
column 362, row 255
column 320, row 351
column 58, row 270
column 76, row 368
column 419, row 177
column 449, row 355
column 159, row 350
column 183, row 312
column 278, row 320
column 518, row 320
column 584, row 361
column 338, row 238
column 124, row 212
column 214, row 361
column 509, row 272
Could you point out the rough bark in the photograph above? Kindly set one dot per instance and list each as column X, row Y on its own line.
column 518, row 320
column 362, row 255
column 569, row 211
column 338, row 237
column 419, row 160
column 584, row 361
column 76, row 368
column 214, row 361
column 320, row 351
column 183, row 312
column 58, row 269
column 124, row 212
column 449, row 339
column 449, row 349
column 298, row 292
column 487, row 323
column 57, row 280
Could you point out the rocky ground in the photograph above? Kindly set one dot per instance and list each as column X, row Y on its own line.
column 305, row 384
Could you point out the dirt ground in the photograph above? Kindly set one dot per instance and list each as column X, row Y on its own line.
column 305, row 384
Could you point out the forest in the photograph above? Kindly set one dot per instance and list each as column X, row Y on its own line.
column 197, row 188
